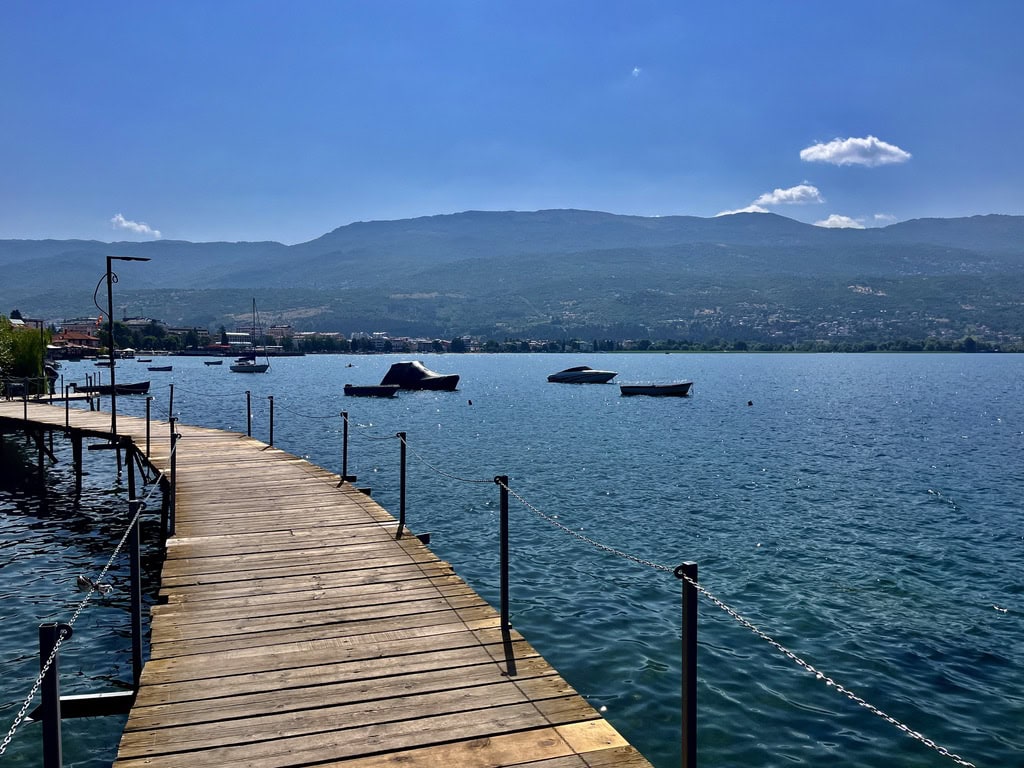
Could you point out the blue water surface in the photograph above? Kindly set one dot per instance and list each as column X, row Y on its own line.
column 862, row 510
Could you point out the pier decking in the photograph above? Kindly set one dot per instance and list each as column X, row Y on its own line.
column 297, row 631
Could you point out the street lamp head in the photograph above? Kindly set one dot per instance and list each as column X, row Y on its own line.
column 127, row 258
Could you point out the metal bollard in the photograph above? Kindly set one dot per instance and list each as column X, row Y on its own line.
column 49, row 635
column 401, row 486
column 687, row 574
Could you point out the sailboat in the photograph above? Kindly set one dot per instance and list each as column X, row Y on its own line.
column 247, row 362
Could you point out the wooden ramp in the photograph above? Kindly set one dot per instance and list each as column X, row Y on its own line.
column 298, row 631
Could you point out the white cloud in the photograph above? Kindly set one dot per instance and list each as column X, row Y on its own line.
column 138, row 227
column 749, row 209
column 835, row 221
column 800, row 194
column 870, row 152
column 885, row 218
column 636, row 71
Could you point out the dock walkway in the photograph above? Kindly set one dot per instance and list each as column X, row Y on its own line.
column 296, row 630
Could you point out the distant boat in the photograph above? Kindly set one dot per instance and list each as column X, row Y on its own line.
column 144, row 359
column 677, row 389
column 103, row 363
column 161, row 367
column 247, row 363
column 371, row 390
column 582, row 374
column 140, row 388
column 213, row 362
column 414, row 375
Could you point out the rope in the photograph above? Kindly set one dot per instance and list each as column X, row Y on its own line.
column 441, row 471
column 277, row 404
column 807, row 666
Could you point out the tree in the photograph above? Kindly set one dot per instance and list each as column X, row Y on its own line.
column 223, row 334
column 22, row 354
column 458, row 345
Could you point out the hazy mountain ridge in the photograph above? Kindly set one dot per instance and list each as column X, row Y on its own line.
column 495, row 273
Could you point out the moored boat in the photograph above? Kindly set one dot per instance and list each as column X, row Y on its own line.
column 213, row 362
column 249, row 365
column 371, row 390
column 582, row 374
column 139, row 388
column 161, row 367
column 414, row 375
column 247, row 362
column 675, row 389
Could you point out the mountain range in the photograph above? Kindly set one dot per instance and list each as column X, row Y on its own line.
column 559, row 274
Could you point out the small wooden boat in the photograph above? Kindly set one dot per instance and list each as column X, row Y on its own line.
column 161, row 367
column 371, row 390
column 144, row 359
column 676, row 389
column 213, row 362
column 140, row 388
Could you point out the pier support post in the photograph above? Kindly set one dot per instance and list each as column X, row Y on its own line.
column 49, row 635
column 271, row 399
column 248, row 413
column 687, row 574
column 76, row 458
column 401, row 486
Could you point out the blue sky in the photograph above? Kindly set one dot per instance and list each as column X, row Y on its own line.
column 224, row 120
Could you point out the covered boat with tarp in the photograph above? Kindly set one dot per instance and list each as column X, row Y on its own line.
column 414, row 375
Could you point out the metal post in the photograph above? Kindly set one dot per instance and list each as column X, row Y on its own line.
column 67, row 407
column 135, row 561
column 111, row 279
column 271, row 399
column 345, row 476
column 502, row 481
column 248, row 413
column 687, row 574
column 49, row 634
column 149, row 403
column 401, row 486
column 174, row 478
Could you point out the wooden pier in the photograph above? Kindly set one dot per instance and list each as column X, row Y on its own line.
column 295, row 629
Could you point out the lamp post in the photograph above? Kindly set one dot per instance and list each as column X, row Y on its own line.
column 111, row 279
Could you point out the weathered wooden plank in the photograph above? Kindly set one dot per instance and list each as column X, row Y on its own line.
column 233, row 705
column 318, row 672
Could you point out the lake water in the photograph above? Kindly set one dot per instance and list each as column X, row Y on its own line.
column 864, row 511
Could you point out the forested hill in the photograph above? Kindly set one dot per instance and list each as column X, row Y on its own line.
column 560, row 272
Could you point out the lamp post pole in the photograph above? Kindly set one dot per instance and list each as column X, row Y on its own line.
column 111, row 279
